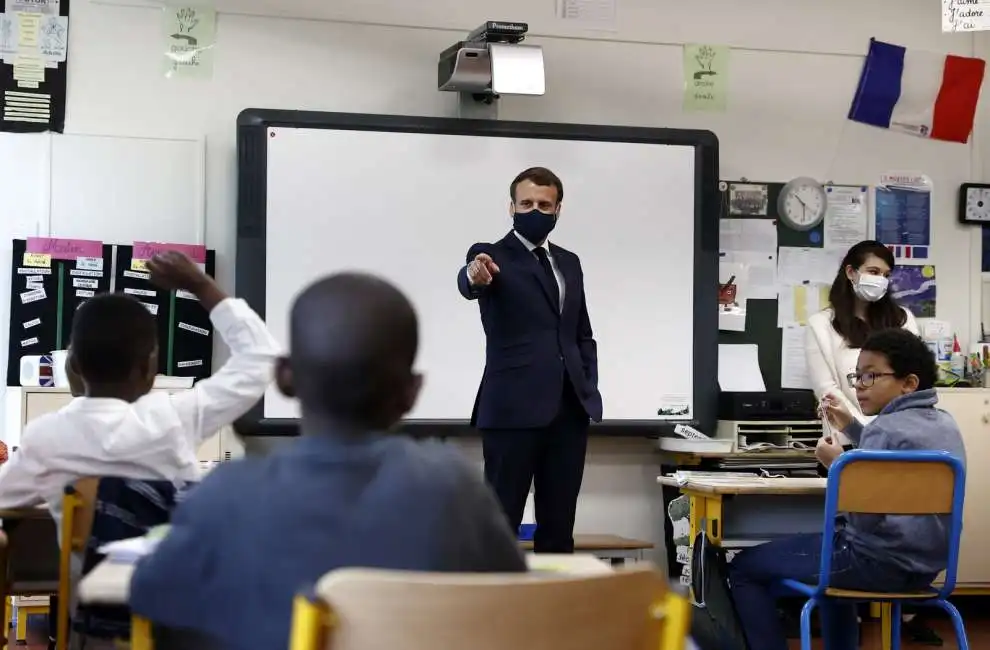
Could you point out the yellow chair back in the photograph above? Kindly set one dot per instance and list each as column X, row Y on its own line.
column 361, row 609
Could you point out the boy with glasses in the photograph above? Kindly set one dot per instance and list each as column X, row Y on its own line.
column 895, row 381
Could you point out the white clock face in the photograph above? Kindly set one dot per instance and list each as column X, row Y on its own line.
column 978, row 204
column 803, row 205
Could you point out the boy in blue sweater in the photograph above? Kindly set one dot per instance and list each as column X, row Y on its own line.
column 347, row 493
column 895, row 381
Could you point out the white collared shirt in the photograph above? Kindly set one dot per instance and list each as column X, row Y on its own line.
column 530, row 246
column 155, row 437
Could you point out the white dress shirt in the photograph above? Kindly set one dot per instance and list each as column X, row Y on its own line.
column 831, row 360
column 155, row 437
column 530, row 246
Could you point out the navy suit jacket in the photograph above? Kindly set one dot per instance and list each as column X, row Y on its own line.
column 531, row 347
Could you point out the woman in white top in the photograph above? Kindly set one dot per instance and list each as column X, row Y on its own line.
column 859, row 305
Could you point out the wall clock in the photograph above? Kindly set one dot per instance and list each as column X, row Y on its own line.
column 974, row 203
column 802, row 203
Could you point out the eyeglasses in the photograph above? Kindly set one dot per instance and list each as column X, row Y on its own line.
column 866, row 379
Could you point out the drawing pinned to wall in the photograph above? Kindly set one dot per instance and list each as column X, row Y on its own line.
column 34, row 38
column 190, row 36
column 913, row 287
column 706, row 77
column 904, row 216
column 731, row 306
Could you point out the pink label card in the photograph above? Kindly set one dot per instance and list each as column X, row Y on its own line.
column 65, row 249
column 145, row 250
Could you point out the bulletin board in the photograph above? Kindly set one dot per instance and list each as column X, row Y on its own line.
column 761, row 319
column 46, row 292
column 185, row 334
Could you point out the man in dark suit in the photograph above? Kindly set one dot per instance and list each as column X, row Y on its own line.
column 540, row 384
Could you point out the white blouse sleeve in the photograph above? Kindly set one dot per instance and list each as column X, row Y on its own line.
column 823, row 380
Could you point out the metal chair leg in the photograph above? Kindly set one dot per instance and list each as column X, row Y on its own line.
column 895, row 625
column 806, row 611
column 957, row 622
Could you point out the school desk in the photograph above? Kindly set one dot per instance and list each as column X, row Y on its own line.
column 706, row 495
column 109, row 584
column 706, row 499
column 613, row 548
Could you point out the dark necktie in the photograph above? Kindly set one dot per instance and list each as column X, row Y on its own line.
column 541, row 254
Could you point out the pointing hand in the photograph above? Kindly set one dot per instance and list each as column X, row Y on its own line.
column 482, row 270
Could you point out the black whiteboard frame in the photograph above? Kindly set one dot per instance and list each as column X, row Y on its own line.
column 252, row 178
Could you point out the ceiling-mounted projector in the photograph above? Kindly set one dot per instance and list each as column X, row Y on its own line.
column 491, row 61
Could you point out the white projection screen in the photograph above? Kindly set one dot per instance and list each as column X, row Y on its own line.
column 404, row 198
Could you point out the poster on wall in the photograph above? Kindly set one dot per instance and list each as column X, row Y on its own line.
column 966, row 16
column 904, row 216
column 34, row 40
column 913, row 287
column 706, row 77
column 190, row 35
column 846, row 216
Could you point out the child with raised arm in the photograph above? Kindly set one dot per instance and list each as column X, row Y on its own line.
column 117, row 426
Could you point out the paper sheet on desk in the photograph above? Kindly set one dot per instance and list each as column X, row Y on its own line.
column 133, row 549
column 739, row 369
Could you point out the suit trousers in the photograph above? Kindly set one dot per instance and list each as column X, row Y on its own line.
column 551, row 460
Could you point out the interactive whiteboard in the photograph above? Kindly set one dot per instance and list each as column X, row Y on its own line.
column 407, row 205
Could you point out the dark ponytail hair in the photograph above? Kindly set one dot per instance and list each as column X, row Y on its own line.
column 880, row 315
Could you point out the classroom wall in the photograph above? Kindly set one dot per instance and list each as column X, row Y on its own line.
column 792, row 76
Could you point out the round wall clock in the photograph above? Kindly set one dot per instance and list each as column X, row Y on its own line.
column 974, row 203
column 802, row 203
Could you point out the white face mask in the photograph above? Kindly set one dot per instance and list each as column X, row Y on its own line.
column 869, row 287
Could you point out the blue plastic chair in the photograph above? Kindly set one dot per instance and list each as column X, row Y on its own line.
column 895, row 483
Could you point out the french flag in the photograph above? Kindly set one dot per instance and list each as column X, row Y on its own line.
column 909, row 252
column 922, row 93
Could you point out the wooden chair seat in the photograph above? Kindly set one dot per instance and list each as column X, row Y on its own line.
column 880, row 595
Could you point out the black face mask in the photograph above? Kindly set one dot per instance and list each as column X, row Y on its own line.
column 534, row 225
